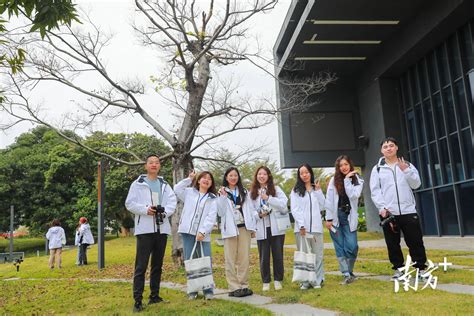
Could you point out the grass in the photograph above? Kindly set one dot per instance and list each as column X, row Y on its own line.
column 90, row 298
column 364, row 297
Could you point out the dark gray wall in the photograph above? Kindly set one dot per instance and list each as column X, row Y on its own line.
column 339, row 97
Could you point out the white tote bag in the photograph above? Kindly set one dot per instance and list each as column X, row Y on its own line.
column 283, row 221
column 304, row 268
column 198, row 272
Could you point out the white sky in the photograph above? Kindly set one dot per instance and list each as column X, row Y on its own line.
column 126, row 58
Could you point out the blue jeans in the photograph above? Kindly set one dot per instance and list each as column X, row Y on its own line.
column 188, row 244
column 345, row 244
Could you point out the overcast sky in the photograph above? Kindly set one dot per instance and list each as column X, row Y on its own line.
column 126, row 58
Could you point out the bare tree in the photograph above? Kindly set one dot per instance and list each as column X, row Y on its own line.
column 191, row 39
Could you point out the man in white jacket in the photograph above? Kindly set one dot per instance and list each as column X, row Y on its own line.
column 152, row 200
column 392, row 182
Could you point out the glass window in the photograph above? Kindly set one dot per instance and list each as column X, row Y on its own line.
column 405, row 92
column 466, row 198
column 425, row 168
column 420, row 128
column 455, row 63
column 442, row 65
column 432, row 72
column 449, row 105
column 411, row 129
column 428, row 112
column 447, row 211
column 414, row 86
column 456, row 154
column 466, row 48
column 461, row 102
column 428, row 213
column 435, row 163
column 445, row 160
column 468, row 152
column 425, row 91
column 439, row 115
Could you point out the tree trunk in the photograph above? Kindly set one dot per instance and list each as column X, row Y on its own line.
column 181, row 168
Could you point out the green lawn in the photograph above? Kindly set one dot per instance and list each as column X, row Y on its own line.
column 72, row 293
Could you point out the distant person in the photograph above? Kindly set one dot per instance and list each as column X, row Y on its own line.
column 392, row 182
column 152, row 200
column 77, row 243
column 57, row 239
column 342, row 216
column 307, row 201
column 85, row 240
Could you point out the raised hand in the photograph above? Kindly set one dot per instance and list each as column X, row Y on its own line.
column 402, row 164
column 192, row 174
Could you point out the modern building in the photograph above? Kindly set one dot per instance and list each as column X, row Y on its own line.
column 405, row 69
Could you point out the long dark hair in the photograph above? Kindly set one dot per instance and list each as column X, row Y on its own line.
column 242, row 191
column 339, row 176
column 256, row 185
column 212, row 188
column 300, row 186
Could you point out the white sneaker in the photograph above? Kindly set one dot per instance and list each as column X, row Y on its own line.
column 278, row 285
column 266, row 287
column 396, row 275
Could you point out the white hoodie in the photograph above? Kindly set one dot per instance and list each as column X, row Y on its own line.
column 353, row 192
column 85, row 234
column 140, row 198
column 306, row 210
column 279, row 207
column 392, row 188
column 225, row 210
column 56, row 237
column 192, row 202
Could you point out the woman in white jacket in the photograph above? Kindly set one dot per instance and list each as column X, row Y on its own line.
column 198, row 216
column 56, row 238
column 269, row 206
column 341, row 204
column 307, row 201
column 237, row 227
column 85, row 240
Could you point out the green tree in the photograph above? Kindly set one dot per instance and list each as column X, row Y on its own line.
column 46, row 177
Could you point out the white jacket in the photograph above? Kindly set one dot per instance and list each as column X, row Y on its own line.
column 306, row 210
column 353, row 192
column 279, row 208
column 85, row 234
column 392, row 188
column 190, row 197
column 140, row 198
column 225, row 209
column 56, row 237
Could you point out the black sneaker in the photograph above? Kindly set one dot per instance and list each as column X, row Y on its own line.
column 137, row 307
column 247, row 292
column 232, row 293
column 154, row 300
column 239, row 293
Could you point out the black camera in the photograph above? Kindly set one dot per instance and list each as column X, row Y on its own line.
column 160, row 214
column 386, row 221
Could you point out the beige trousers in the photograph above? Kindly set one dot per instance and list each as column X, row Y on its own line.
column 237, row 257
column 55, row 253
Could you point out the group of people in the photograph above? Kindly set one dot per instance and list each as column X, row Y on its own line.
column 57, row 239
column 262, row 212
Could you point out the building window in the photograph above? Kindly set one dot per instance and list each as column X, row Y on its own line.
column 437, row 96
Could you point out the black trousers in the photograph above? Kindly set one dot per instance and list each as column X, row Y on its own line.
column 83, row 254
column 409, row 224
column 153, row 244
column 273, row 244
